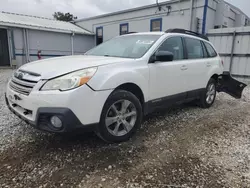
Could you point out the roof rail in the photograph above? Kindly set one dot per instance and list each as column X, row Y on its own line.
column 132, row 32
column 187, row 32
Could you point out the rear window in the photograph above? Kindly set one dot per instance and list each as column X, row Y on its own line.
column 211, row 51
column 194, row 48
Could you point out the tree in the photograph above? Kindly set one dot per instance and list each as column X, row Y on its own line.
column 64, row 16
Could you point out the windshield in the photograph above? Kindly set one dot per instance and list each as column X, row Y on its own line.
column 129, row 46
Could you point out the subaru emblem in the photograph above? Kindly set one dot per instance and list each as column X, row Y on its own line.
column 10, row 97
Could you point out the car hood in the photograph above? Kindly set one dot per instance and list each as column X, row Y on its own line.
column 53, row 67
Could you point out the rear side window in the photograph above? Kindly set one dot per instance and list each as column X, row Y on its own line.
column 210, row 50
column 194, row 48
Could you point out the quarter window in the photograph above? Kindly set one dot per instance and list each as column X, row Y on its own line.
column 175, row 46
column 194, row 48
column 156, row 25
column 204, row 50
column 210, row 50
column 123, row 29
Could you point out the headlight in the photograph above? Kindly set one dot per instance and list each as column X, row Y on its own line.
column 70, row 81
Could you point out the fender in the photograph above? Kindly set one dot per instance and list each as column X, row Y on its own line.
column 107, row 80
column 215, row 70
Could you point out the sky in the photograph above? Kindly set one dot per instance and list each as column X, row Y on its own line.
column 85, row 8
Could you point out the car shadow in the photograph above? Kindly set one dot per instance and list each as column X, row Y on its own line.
column 82, row 153
column 91, row 140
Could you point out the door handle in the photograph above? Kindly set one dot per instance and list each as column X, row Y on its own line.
column 209, row 65
column 184, row 67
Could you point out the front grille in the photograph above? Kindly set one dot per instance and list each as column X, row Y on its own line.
column 25, row 84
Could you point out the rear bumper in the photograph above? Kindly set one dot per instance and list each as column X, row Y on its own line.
column 69, row 120
column 230, row 86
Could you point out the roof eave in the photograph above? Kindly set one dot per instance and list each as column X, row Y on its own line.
column 4, row 24
column 238, row 9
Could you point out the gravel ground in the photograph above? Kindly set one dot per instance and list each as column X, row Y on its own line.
column 180, row 147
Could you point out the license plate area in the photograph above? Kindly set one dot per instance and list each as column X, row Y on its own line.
column 12, row 102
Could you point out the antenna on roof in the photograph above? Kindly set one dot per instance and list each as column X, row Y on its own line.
column 157, row 3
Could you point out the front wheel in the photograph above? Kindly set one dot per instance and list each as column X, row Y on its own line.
column 121, row 117
column 208, row 95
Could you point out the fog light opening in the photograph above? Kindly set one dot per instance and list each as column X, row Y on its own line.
column 56, row 122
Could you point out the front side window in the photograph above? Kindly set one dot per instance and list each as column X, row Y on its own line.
column 156, row 25
column 127, row 46
column 123, row 29
column 210, row 50
column 175, row 46
column 194, row 48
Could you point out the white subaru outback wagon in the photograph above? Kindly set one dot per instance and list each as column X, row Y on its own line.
column 111, row 87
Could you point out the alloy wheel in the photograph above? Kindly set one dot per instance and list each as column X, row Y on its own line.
column 121, row 118
column 211, row 92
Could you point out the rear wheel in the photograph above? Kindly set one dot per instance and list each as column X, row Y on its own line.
column 121, row 117
column 208, row 95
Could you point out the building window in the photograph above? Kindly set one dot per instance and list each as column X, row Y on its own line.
column 246, row 22
column 156, row 24
column 124, row 29
column 99, row 35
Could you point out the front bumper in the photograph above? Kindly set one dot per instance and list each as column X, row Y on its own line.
column 79, row 108
column 70, row 121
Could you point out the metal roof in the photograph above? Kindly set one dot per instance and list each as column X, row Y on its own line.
column 130, row 10
column 39, row 23
column 146, row 7
column 237, row 9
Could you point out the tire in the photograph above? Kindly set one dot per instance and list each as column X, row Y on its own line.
column 204, row 101
column 121, row 117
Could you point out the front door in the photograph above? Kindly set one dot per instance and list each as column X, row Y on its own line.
column 4, row 50
column 167, row 79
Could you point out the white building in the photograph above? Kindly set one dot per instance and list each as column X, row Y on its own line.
column 196, row 15
column 27, row 38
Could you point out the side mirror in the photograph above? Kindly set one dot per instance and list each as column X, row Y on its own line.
column 163, row 56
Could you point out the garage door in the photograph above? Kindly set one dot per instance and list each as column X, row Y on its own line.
column 4, row 50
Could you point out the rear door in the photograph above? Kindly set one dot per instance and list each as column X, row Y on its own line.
column 196, row 75
column 4, row 50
